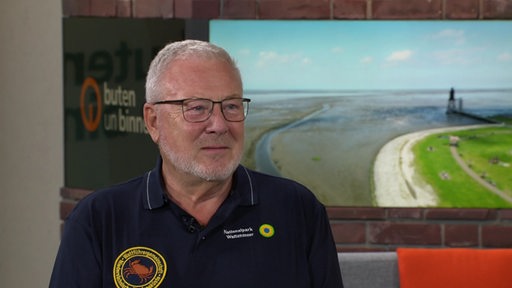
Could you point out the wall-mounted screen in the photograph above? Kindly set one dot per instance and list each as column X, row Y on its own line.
column 379, row 113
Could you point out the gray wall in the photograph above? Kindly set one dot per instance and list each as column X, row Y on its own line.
column 31, row 141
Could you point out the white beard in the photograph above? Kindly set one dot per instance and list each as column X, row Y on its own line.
column 185, row 164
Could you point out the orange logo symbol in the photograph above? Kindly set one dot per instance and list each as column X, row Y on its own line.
column 140, row 267
column 90, row 119
column 136, row 268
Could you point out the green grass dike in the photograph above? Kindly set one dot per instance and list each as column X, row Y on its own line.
column 486, row 151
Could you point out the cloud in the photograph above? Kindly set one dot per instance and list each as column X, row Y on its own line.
column 457, row 36
column 468, row 56
column 306, row 60
column 244, row 52
column 505, row 57
column 367, row 60
column 451, row 56
column 337, row 50
column 271, row 58
column 399, row 56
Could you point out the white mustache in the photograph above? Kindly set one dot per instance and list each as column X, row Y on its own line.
column 214, row 141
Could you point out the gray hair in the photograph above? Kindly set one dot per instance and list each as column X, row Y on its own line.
column 181, row 50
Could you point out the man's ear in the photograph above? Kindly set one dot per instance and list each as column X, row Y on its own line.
column 150, row 118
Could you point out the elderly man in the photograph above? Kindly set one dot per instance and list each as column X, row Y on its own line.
column 199, row 218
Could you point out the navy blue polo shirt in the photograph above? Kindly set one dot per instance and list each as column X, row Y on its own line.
column 269, row 232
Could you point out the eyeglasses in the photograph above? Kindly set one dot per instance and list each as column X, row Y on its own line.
column 199, row 110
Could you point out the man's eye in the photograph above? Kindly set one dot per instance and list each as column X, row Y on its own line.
column 231, row 107
column 196, row 108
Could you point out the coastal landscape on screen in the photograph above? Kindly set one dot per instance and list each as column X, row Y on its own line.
column 379, row 113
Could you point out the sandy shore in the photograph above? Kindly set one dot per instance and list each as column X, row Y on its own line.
column 334, row 153
column 396, row 182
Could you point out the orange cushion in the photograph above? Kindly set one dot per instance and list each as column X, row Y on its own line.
column 454, row 268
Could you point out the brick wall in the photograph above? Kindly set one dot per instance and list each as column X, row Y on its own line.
column 292, row 9
column 363, row 229
column 355, row 228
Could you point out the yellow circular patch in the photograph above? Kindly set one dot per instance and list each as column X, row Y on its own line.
column 267, row 230
column 139, row 267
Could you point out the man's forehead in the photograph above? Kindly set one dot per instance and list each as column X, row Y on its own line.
column 214, row 68
column 198, row 62
column 180, row 82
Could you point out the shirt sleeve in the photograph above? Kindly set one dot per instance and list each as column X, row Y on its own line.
column 77, row 263
column 323, row 257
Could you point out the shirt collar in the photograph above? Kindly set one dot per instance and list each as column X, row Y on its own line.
column 156, row 197
column 154, row 191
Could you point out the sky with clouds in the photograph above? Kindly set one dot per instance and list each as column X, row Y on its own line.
column 341, row 55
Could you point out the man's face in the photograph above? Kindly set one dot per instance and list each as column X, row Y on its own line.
column 210, row 150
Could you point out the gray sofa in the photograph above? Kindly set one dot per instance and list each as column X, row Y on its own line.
column 369, row 269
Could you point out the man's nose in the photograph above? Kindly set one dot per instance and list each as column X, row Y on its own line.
column 217, row 122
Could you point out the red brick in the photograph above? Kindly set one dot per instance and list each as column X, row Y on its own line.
column 76, row 7
column 124, row 8
column 153, row 8
column 239, row 9
column 345, row 213
column 197, row 9
column 294, row 9
column 103, row 8
column 497, row 9
column 460, row 214
column 407, row 9
column 73, row 193
column 183, row 9
column 404, row 233
column 505, row 214
column 65, row 208
column 348, row 249
column 349, row 232
column 461, row 235
column 497, row 236
column 405, row 213
column 350, row 9
column 462, row 9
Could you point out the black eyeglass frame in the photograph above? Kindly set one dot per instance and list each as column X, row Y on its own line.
column 182, row 101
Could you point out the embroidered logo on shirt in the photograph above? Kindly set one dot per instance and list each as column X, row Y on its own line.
column 239, row 233
column 139, row 267
column 267, row 230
